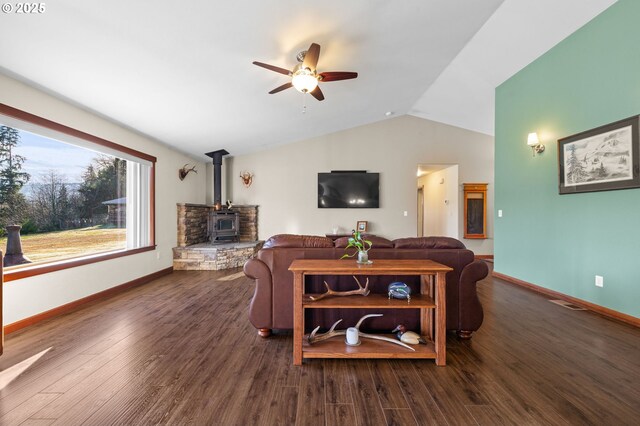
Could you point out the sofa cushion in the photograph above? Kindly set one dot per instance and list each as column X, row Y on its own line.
column 298, row 241
column 428, row 243
column 378, row 242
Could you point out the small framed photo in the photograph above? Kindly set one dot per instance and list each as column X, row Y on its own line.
column 361, row 226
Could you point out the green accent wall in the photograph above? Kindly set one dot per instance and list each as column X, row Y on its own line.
column 561, row 242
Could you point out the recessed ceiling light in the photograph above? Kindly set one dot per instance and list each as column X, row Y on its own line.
column 388, row 113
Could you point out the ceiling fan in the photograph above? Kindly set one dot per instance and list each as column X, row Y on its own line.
column 304, row 76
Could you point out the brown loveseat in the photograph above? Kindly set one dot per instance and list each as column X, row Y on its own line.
column 272, row 303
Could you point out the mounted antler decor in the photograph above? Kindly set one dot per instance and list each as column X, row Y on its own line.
column 361, row 290
column 247, row 178
column 183, row 172
column 314, row 337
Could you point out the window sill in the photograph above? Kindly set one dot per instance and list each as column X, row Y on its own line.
column 45, row 268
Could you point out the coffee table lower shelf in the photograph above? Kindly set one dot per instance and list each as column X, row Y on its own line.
column 337, row 348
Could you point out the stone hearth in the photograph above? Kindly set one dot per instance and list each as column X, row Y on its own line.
column 213, row 257
column 196, row 252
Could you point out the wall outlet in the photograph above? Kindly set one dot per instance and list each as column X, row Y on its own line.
column 158, row 254
column 499, row 213
column 599, row 281
column 406, row 213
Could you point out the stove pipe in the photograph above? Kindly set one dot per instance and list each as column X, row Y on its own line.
column 217, row 174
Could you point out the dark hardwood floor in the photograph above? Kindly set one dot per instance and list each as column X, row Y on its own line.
column 181, row 351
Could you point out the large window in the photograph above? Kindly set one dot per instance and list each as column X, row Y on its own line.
column 73, row 198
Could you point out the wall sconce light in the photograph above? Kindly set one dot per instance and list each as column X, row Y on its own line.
column 534, row 143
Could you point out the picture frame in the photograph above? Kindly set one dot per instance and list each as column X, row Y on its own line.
column 601, row 159
column 362, row 226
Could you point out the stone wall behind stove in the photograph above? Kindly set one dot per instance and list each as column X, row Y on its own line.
column 248, row 223
column 192, row 223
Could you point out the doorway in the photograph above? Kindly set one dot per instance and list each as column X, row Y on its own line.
column 438, row 198
column 421, row 211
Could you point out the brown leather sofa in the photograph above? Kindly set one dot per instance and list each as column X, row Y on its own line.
column 272, row 303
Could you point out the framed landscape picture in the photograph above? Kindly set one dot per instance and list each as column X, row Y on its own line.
column 600, row 159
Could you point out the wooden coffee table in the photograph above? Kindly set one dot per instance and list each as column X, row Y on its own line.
column 431, row 301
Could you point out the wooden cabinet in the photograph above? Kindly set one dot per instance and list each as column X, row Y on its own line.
column 475, row 210
column 431, row 302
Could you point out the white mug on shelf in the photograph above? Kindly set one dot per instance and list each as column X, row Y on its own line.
column 353, row 337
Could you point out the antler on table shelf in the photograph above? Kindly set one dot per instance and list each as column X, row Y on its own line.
column 314, row 337
column 361, row 290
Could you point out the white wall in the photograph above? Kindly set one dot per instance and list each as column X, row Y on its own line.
column 29, row 296
column 441, row 196
column 285, row 177
column 453, row 200
column 432, row 209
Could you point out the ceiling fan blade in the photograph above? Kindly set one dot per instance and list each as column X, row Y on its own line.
column 311, row 57
column 272, row 68
column 337, row 75
column 281, row 88
column 317, row 93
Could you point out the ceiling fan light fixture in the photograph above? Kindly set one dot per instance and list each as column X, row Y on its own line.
column 305, row 76
column 304, row 80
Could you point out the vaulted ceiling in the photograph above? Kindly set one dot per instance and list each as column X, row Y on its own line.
column 181, row 72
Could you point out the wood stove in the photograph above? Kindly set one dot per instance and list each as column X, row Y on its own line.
column 223, row 226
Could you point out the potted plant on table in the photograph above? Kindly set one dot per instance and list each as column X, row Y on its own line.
column 361, row 245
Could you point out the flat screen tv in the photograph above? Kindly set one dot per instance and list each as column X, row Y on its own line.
column 338, row 190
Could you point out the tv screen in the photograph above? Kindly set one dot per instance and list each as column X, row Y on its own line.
column 348, row 190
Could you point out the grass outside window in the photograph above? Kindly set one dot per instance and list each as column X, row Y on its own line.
column 50, row 246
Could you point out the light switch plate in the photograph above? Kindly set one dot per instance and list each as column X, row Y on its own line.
column 599, row 281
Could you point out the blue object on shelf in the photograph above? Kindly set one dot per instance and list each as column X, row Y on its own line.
column 399, row 290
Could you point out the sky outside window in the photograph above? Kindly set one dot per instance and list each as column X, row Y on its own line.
column 44, row 154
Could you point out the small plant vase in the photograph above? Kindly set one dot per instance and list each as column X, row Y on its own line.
column 362, row 247
column 363, row 257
